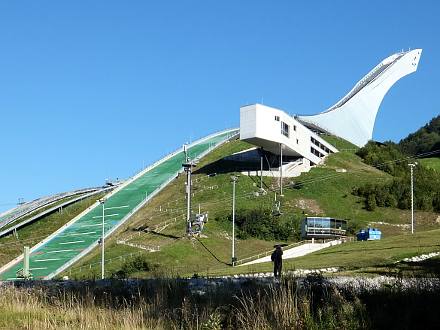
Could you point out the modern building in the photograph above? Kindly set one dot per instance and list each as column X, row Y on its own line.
column 277, row 132
column 323, row 227
column 351, row 118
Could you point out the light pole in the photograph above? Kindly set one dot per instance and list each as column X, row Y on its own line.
column 281, row 169
column 261, row 169
column 411, row 166
column 234, row 179
column 102, row 201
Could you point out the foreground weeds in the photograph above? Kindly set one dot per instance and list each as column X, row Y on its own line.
column 313, row 303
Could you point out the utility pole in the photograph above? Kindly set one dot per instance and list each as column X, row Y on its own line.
column 234, row 179
column 281, row 169
column 102, row 201
column 261, row 168
column 411, row 166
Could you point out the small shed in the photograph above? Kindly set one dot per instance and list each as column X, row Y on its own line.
column 369, row 234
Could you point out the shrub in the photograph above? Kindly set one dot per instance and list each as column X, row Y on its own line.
column 260, row 223
column 371, row 202
column 136, row 264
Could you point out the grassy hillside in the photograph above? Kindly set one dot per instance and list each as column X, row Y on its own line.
column 325, row 190
column 365, row 256
column 433, row 163
column 425, row 139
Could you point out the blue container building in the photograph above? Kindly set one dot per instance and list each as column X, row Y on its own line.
column 369, row 234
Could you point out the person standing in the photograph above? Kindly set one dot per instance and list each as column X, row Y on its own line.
column 277, row 259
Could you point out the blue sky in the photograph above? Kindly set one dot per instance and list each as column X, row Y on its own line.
column 91, row 90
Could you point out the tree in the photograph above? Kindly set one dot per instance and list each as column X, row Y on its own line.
column 371, row 202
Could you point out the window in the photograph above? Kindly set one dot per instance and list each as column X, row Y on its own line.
column 277, row 118
column 284, row 129
column 297, row 142
column 320, row 145
column 321, row 227
column 316, row 152
column 294, row 128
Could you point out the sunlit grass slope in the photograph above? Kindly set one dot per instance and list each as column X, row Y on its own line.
column 433, row 163
column 326, row 190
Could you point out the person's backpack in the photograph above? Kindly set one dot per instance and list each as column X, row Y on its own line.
column 272, row 257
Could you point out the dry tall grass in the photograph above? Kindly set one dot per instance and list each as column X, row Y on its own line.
column 201, row 304
column 36, row 309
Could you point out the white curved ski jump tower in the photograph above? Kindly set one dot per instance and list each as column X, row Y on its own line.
column 353, row 117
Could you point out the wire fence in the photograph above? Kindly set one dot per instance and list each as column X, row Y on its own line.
column 121, row 258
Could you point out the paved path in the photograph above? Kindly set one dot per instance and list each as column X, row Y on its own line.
column 81, row 235
column 297, row 251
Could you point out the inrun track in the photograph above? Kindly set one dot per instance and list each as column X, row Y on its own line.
column 78, row 237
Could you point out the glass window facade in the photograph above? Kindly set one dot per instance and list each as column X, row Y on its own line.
column 322, row 227
column 320, row 145
column 316, row 152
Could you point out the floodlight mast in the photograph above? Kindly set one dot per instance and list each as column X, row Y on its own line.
column 281, row 169
column 261, row 168
column 234, row 179
column 102, row 201
column 411, row 166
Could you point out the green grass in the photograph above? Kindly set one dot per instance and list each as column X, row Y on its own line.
column 433, row 163
column 325, row 190
column 340, row 144
column 370, row 256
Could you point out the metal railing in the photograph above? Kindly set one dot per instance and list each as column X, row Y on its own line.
column 267, row 253
column 27, row 208
column 50, row 210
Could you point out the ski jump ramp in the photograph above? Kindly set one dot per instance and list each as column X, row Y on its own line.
column 82, row 234
column 352, row 118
